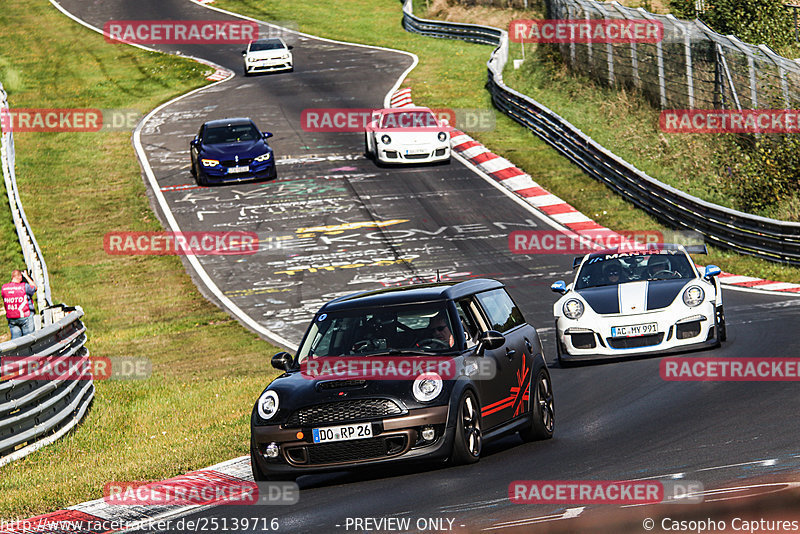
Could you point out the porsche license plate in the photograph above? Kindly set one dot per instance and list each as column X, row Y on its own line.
column 416, row 151
column 242, row 168
column 634, row 330
column 342, row 433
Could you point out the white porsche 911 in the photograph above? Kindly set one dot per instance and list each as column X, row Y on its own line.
column 407, row 135
column 648, row 300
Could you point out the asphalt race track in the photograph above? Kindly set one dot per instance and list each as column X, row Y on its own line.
column 335, row 223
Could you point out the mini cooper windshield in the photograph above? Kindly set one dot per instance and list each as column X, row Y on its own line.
column 619, row 268
column 400, row 329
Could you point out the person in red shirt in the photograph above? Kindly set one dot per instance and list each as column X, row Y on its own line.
column 19, row 304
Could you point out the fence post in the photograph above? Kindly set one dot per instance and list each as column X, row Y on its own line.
column 775, row 58
column 751, row 67
column 687, row 46
column 660, row 55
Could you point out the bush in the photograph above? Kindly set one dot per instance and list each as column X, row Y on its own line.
column 764, row 172
column 753, row 21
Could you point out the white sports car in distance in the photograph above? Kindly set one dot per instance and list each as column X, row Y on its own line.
column 407, row 135
column 263, row 55
column 646, row 300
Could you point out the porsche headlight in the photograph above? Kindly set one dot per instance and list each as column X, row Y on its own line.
column 442, row 137
column 268, row 404
column 693, row 296
column 263, row 157
column 427, row 387
column 210, row 162
column 385, row 139
column 573, row 308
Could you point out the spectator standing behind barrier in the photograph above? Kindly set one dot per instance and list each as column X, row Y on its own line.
column 19, row 304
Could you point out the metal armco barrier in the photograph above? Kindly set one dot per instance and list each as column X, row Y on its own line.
column 771, row 239
column 34, row 413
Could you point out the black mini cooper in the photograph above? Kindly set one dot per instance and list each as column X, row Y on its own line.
column 424, row 372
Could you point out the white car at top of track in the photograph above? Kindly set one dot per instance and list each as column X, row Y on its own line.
column 638, row 301
column 407, row 135
column 264, row 55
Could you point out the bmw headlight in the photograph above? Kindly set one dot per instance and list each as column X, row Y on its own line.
column 268, row 404
column 263, row 157
column 442, row 137
column 693, row 296
column 385, row 139
column 210, row 162
column 573, row 308
column 427, row 387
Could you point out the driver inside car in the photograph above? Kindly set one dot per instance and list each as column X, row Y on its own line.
column 658, row 267
column 441, row 330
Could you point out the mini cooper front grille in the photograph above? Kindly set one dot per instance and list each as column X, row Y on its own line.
column 343, row 412
column 354, row 451
column 635, row 342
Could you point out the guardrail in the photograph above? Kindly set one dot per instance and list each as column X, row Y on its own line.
column 771, row 239
column 34, row 260
column 34, row 413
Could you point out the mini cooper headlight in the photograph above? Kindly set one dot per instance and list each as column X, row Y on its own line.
column 442, row 137
column 263, row 157
column 268, row 404
column 693, row 296
column 385, row 139
column 210, row 162
column 427, row 387
column 573, row 308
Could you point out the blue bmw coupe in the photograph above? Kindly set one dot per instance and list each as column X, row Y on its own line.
column 231, row 150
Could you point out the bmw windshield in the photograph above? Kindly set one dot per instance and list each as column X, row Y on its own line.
column 388, row 330
column 233, row 133
column 620, row 268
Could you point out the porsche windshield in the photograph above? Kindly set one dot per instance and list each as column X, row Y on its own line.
column 408, row 119
column 387, row 330
column 613, row 269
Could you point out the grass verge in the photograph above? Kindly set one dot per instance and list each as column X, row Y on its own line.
column 207, row 369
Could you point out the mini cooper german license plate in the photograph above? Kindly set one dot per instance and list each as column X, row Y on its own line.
column 342, row 433
column 243, row 168
column 634, row 330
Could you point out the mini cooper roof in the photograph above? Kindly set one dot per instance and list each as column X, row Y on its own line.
column 410, row 294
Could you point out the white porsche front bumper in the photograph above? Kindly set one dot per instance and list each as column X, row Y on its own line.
column 674, row 328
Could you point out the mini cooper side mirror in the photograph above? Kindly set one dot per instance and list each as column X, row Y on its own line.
column 490, row 340
column 267, row 135
column 559, row 287
column 194, row 141
column 712, row 271
column 282, row 361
